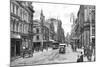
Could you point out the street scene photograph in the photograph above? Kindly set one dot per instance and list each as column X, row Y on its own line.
column 51, row 33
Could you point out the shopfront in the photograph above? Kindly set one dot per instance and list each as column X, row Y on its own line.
column 15, row 45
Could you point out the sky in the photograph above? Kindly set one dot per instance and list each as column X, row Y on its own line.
column 59, row 11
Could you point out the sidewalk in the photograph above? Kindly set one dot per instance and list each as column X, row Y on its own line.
column 14, row 58
column 85, row 59
column 36, row 59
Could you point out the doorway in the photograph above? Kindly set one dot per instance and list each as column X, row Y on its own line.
column 18, row 43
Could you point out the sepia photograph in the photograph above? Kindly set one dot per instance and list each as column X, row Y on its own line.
column 44, row 33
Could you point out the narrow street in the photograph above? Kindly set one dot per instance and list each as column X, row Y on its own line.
column 45, row 57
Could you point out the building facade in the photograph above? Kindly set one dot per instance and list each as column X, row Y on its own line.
column 83, row 30
column 21, row 16
column 37, row 38
column 87, row 25
column 45, row 29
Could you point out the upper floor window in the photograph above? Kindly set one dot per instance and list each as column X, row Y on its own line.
column 19, row 12
column 11, row 7
column 85, row 15
column 15, row 9
column 37, row 30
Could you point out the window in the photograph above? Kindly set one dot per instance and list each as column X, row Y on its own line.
column 19, row 25
column 22, row 14
column 25, row 28
column 15, row 27
column 27, row 17
column 11, row 8
column 37, row 37
column 15, row 8
column 85, row 16
column 19, row 11
column 20, row 28
column 93, row 15
column 34, row 30
column 11, row 26
column 37, row 30
column 93, row 32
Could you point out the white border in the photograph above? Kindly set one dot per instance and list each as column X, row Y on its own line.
column 5, row 33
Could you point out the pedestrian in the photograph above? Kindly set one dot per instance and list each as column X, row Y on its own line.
column 80, row 58
column 23, row 52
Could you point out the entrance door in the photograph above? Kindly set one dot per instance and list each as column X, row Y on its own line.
column 12, row 48
column 17, row 48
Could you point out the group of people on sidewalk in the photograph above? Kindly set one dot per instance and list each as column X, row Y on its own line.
column 89, row 55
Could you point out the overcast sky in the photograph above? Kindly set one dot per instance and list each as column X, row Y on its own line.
column 59, row 11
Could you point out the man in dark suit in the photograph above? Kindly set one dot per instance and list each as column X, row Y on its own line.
column 80, row 59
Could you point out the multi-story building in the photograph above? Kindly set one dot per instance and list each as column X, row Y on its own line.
column 84, row 27
column 45, row 28
column 86, row 21
column 60, row 32
column 56, row 30
column 21, row 16
column 37, row 38
column 53, row 28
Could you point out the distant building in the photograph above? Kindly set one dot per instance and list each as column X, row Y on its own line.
column 53, row 28
column 21, row 16
column 37, row 38
column 60, row 33
column 45, row 29
column 41, row 30
column 56, row 30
